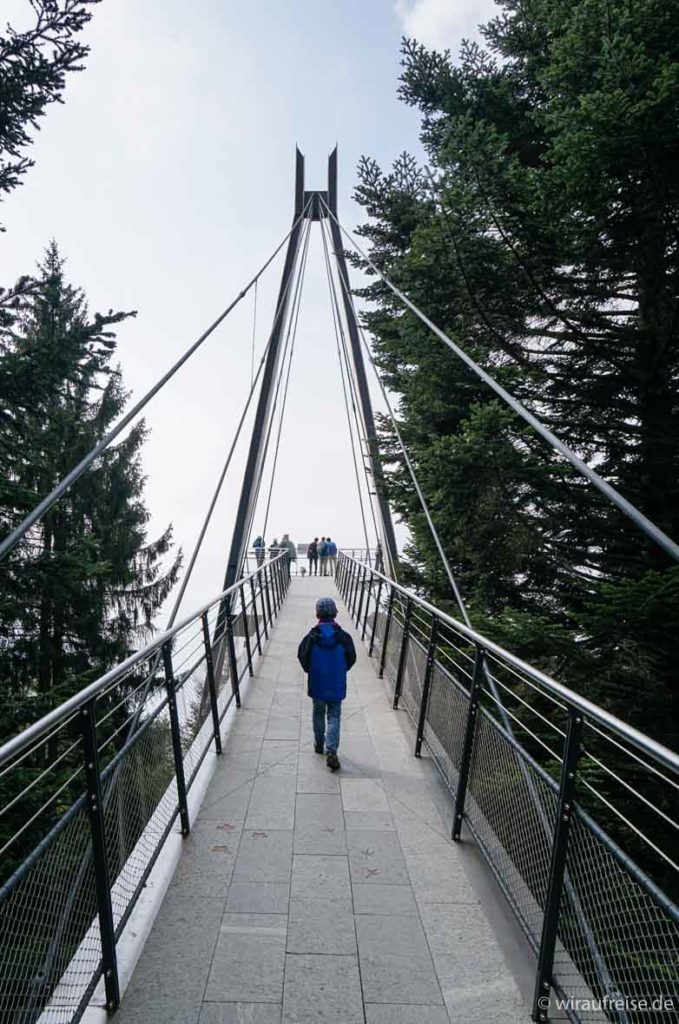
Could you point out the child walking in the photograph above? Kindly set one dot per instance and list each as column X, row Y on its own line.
column 326, row 654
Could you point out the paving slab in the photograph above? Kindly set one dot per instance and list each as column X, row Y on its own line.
column 381, row 821
column 320, row 989
column 258, row 898
column 272, row 803
column 363, row 795
column 376, row 857
column 313, row 775
column 383, row 899
column 321, row 927
column 319, row 824
column 169, row 980
column 207, row 861
column 320, row 878
column 249, row 959
column 229, row 802
column 264, row 855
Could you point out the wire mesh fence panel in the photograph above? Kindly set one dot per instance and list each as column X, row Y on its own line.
column 616, row 943
column 394, row 641
column 414, row 670
column 512, row 811
column 140, row 802
column 46, row 918
column 444, row 727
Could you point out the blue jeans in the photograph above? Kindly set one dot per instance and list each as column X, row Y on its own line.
column 333, row 709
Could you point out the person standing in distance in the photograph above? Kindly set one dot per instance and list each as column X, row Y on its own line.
column 323, row 555
column 259, row 544
column 312, row 555
column 332, row 557
column 326, row 654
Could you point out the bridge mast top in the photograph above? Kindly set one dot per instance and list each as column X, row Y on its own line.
column 313, row 205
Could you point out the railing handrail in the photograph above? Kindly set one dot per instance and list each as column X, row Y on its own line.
column 32, row 732
column 638, row 739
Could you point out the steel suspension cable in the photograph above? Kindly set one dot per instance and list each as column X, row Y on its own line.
column 292, row 334
column 630, row 510
column 49, row 500
column 338, row 329
column 254, row 334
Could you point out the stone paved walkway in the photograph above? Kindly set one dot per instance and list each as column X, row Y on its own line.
column 304, row 896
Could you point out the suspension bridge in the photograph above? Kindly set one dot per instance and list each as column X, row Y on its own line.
column 495, row 847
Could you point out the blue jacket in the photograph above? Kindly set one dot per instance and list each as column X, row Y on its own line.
column 322, row 548
column 326, row 653
column 332, row 548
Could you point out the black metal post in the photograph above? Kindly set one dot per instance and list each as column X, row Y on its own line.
column 102, row 880
column 246, row 631
column 354, row 588
column 212, row 687
column 367, row 605
column 233, row 660
column 557, row 867
column 468, row 744
column 377, row 612
column 403, row 652
column 253, row 594
column 266, row 601
column 362, row 595
column 273, row 578
column 176, row 741
column 387, row 628
column 426, row 685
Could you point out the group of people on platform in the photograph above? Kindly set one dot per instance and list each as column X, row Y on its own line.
column 323, row 551
column 321, row 554
column 275, row 548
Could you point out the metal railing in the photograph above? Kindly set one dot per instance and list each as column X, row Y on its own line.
column 574, row 810
column 89, row 794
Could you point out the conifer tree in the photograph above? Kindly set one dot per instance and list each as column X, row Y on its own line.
column 544, row 241
column 83, row 587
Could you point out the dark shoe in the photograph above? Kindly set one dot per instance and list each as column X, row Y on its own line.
column 318, row 747
column 332, row 762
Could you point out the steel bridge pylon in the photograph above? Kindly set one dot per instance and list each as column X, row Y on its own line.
column 313, row 206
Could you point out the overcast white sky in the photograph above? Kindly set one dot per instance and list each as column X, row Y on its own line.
column 167, row 178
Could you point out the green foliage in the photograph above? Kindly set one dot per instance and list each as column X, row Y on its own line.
column 84, row 585
column 545, row 242
column 34, row 66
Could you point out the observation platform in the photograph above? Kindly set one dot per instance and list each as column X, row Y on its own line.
column 303, row 896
